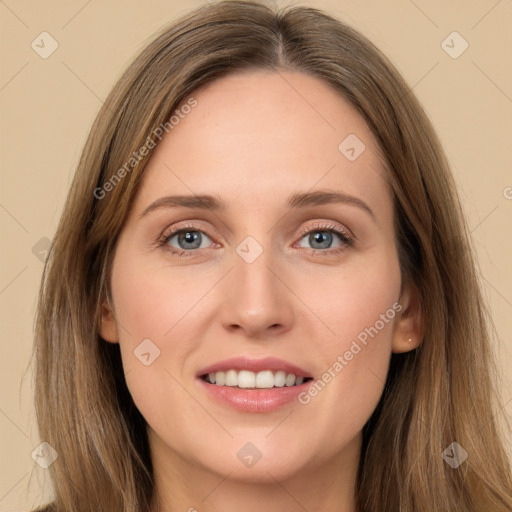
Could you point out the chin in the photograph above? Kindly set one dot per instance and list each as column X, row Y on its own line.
column 258, row 463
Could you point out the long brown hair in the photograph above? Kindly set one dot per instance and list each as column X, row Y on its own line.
column 443, row 392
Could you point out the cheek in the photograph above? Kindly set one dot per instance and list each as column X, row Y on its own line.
column 157, row 311
column 360, row 308
column 151, row 309
column 150, row 300
column 357, row 302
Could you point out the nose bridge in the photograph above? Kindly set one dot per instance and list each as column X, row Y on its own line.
column 256, row 298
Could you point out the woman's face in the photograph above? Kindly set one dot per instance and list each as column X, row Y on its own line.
column 285, row 269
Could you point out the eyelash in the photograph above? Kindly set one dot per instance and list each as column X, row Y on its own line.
column 346, row 239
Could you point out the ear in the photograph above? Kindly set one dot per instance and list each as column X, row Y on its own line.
column 409, row 331
column 108, row 329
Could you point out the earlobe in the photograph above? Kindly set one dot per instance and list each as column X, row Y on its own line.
column 409, row 327
column 108, row 328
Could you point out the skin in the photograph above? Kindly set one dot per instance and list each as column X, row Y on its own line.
column 254, row 139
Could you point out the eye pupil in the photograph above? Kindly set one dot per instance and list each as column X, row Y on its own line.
column 322, row 237
column 190, row 237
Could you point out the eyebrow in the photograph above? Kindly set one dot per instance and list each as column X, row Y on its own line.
column 298, row 200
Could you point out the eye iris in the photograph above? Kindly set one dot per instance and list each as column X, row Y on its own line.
column 322, row 237
column 190, row 237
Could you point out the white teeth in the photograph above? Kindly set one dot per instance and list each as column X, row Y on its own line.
column 262, row 380
column 246, row 379
column 279, row 379
column 231, row 378
column 290, row 379
column 265, row 379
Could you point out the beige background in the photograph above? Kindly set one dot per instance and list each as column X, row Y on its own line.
column 49, row 104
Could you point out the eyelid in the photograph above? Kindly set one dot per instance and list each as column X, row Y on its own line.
column 347, row 238
column 327, row 225
column 194, row 225
column 318, row 224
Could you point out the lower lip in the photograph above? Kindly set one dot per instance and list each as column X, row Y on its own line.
column 254, row 400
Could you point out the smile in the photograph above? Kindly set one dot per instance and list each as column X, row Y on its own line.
column 246, row 379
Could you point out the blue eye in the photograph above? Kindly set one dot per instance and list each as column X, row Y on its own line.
column 187, row 240
column 320, row 238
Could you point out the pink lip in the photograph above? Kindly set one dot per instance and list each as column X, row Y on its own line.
column 254, row 365
column 254, row 400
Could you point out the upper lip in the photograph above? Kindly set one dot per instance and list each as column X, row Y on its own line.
column 254, row 365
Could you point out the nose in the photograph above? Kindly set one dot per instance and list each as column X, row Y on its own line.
column 257, row 300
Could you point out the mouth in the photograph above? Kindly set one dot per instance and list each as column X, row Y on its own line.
column 253, row 385
column 245, row 379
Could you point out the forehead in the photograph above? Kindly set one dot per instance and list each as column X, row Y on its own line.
column 259, row 134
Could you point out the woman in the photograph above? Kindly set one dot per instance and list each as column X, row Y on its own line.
column 197, row 350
